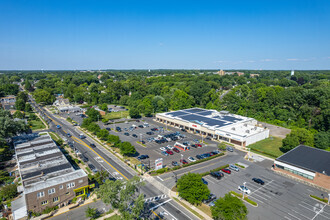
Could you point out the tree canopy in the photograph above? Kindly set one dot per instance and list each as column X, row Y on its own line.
column 229, row 208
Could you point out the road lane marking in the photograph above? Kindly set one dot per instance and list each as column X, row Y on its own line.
column 293, row 216
column 152, row 208
column 160, row 178
column 287, row 218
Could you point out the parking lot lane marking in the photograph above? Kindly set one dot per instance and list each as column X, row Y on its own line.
column 324, row 212
column 208, row 179
column 160, row 178
column 293, row 216
column 299, row 213
column 259, row 196
column 256, row 199
column 261, row 187
column 321, row 214
column 287, row 218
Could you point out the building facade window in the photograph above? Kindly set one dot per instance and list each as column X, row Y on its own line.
column 80, row 181
column 70, row 185
column 40, row 194
column 56, row 199
column 61, row 186
column 296, row 172
column 44, row 202
column 51, row 191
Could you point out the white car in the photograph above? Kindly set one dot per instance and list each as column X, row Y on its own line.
column 162, row 149
column 244, row 189
column 191, row 159
column 170, row 147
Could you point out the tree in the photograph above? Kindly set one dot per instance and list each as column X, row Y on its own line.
column 229, row 208
column 93, row 114
column 8, row 192
column 20, row 104
column 93, row 127
column 28, row 86
column 43, row 96
column 18, row 114
column 91, row 213
column 181, row 100
column 134, row 113
column 28, row 107
column 101, row 176
column 126, row 148
column 123, row 196
column 191, row 188
column 296, row 137
column 103, row 134
column 322, row 140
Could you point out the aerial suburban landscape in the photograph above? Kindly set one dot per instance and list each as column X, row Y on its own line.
column 165, row 110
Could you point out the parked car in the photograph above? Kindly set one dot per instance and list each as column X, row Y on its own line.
column 183, row 161
column 150, row 133
column 118, row 129
column 191, row 159
column 199, row 157
column 204, row 181
column 226, row 171
column 193, row 145
column 142, row 157
column 259, row 181
column 176, row 150
column 233, row 167
column 162, row 149
column 127, row 134
column 174, row 163
column 244, row 189
column 212, row 203
column 182, row 129
column 211, row 198
column 216, row 175
column 91, row 166
column 134, row 135
column 169, row 152
column 68, row 134
column 164, row 153
column 140, row 126
column 82, row 136
column 58, row 126
column 198, row 145
column 230, row 149
column 92, row 145
column 109, row 129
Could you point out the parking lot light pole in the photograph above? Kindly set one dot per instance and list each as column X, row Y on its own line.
column 141, row 138
column 329, row 199
column 243, row 190
column 182, row 159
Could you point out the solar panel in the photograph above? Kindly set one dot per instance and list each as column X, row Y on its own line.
column 231, row 119
column 205, row 113
column 176, row 113
column 194, row 110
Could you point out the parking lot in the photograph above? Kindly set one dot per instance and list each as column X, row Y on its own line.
column 153, row 149
column 278, row 198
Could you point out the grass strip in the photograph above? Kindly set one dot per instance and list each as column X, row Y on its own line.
column 241, row 166
column 320, row 199
column 245, row 198
column 187, row 207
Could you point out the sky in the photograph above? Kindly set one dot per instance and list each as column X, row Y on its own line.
column 157, row 34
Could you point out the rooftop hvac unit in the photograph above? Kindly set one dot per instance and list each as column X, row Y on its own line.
column 233, row 128
column 247, row 131
column 245, row 125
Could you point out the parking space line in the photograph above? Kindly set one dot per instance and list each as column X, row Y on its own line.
column 327, row 213
column 301, row 214
column 256, row 199
column 287, row 218
column 261, row 187
column 259, row 196
column 321, row 214
column 293, row 216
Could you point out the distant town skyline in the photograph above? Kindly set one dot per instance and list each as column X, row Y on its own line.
column 92, row 35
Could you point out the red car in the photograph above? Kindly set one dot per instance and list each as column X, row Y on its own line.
column 169, row 152
column 183, row 161
column 199, row 145
column 226, row 171
column 176, row 150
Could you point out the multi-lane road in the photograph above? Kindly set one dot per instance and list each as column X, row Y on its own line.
column 102, row 159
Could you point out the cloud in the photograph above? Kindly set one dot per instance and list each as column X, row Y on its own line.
column 292, row 59
column 161, row 44
column 268, row 60
column 302, row 60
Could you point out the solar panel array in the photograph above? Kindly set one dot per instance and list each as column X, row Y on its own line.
column 202, row 116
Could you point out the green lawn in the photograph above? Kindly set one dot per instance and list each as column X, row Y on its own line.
column 37, row 124
column 270, row 146
column 116, row 115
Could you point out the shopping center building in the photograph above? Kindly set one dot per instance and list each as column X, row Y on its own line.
column 306, row 163
column 222, row 126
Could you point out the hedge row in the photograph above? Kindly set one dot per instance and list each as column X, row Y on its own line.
column 318, row 198
column 167, row 169
column 245, row 198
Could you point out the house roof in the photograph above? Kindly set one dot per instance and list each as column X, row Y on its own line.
column 308, row 158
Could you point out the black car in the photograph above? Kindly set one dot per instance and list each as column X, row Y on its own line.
column 211, row 198
column 142, row 157
column 127, row 134
column 134, row 135
column 193, row 145
column 199, row 157
column 109, row 129
column 259, row 181
column 216, row 175
column 92, row 145
column 118, row 129
column 140, row 126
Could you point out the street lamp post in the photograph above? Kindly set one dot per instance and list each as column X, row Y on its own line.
column 140, row 137
column 243, row 190
column 182, row 159
column 329, row 199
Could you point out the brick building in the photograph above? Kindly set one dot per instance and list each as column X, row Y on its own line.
column 47, row 177
column 309, row 164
